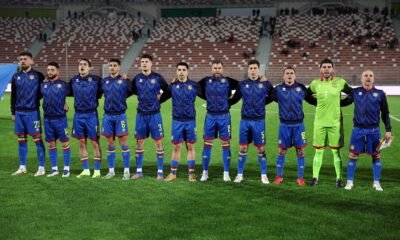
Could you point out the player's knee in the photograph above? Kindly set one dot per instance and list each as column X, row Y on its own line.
column 225, row 142
column 190, row 146
column 376, row 157
column 282, row 151
column 52, row 144
column 177, row 147
column 243, row 148
column 159, row 145
column 260, row 149
column 300, row 152
column 353, row 156
column 140, row 143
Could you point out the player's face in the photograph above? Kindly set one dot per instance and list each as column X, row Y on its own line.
column 367, row 78
column 326, row 70
column 52, row 72
column 289, row 76
column 83, row 67
column 25, row 62
column 217, row 70
column 114, row 68
column 253, row 71
column 145, row 65
column 182, row 73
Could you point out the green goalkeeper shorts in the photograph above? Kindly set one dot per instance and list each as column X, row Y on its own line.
column 330, row 136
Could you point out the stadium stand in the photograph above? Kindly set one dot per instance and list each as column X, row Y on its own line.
column 198, row 41
column 17, row 34
column 355, row 42
column 94, row 37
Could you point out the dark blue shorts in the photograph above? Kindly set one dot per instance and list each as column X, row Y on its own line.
column 56, row 129
column 28, row 123
column 114, row 125
column 252, row 131
column 365, row 140
column 183, row 131
column 86, row 125
column 149, row 124
column 217, row 125
column 292, row 135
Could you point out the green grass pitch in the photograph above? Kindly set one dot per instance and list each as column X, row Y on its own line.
column 56, row 208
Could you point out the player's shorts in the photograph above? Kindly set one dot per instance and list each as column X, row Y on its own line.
column 183, row 131
column 86, row 125
column 149, row 124
column 292, row 135
column 327, row 135
column 217, row 125
column 252, row 131
column 56, row 129
column 28, row 123
column 114, row 125
column 365, row 140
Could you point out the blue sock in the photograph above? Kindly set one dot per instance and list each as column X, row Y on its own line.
column 111, row 156
column 226, row 157
column 241, row 161
column 280, row 164
column 40, row 151
column 206, row 156
column 191, row 166
column 97, row 162
column 160, row 159
column 301, row 161
column 377, row 169
column 53, row 156
column 174, row 166
column 67, row 155
column 85, row 162
column 126, row 156
column 262, row 160
column 23, row 151
column 351, row 169
column 139, row 159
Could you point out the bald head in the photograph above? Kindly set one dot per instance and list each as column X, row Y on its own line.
column 367, row 79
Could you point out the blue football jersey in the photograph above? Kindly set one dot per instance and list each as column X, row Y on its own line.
column 86, row 91
column 54, row 94
column 116, row 91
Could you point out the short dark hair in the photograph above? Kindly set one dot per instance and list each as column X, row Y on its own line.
column 290, row 68
column 25, row 53
column 182, row 64
column 254, row 61
column 216, row 62
column 116, row 60
column 54, row 64
column 326, row 60
column 148, row 56
column 86, row 60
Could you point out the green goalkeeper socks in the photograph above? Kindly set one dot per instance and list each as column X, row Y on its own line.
column 319, row 154
column 337, row 161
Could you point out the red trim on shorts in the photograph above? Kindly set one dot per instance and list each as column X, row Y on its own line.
column 339, row 147
column 64, row 141
column 284, row 148
column 78, row 137
column 319, row 147
column 300, row 147
column 52, row 140
column 35, row 135
column 106, row 135
column 122, row 135
column 210, row 139
column 175, row 143
column 94, row 139
column 261, row 145
column 192, row 142
column 156, row 139
column 244, row 144
column 225, row 139
column 20, row 134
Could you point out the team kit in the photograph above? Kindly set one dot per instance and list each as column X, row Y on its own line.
column 220, row 92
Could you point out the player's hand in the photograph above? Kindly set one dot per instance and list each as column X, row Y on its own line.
column 174, row 80
column 13, row 118
column 263, row 78
column 388, row 136
column 66, row 107
column 124, row 76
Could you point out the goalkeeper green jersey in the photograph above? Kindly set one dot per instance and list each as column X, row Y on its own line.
column 328, row 94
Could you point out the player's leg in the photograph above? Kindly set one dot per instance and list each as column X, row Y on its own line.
column 244, row 142
column 373, row 138
column 62, row 132
column 319, row 145
column 53, row 158
column 224, row 128
column 34, row 128
column 284, row 142
column 280, row 163
column 191, row 138
column 108, row 130
column 141, row 133
column 92, row 126
column 176, row 139
column 20, row 131
column 209, row 135
column 300, row 142
column 79, row 132
column 334, row 137
column 157, row 133
column 258, row 133
column 357, row 146
column 122, row 133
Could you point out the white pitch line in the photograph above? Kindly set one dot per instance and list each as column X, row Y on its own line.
column 394, row 118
